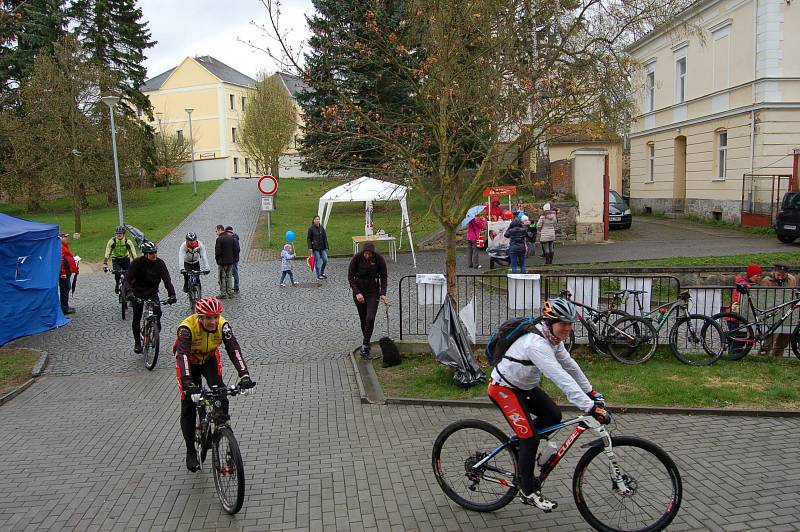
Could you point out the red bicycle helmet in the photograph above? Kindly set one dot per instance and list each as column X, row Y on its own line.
column 209, row 306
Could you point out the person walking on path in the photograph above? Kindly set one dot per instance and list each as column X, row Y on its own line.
column 68, row 268
column 318, row 246
column 121, row 251
column 190, row 256
column 235, row 267
column 141, row 282
column 474, row 228
column 225, row 255
column 776, row 344
column 517, row 234
column 546, row 229
column 368, row 280
column 530, row 237
column 286, row 265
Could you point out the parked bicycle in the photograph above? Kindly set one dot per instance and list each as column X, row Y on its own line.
column 123, row 303
column 195, row 287
column 629, row 339
column 151, row 330
column 620, row 482
column 214, row 432
column 694, row 339
column 741, row 333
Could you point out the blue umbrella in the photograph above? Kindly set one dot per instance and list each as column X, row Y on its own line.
column 472, row 213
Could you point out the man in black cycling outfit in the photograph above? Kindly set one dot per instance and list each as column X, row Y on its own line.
column 141, row 282
column 514, row 388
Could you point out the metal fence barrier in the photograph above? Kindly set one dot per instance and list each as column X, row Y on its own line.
column 497, row 298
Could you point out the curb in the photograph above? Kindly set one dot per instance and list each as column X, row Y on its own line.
column 371, row 393
column 37, row 370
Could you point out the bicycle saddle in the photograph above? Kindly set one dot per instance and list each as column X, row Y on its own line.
column 741, row 288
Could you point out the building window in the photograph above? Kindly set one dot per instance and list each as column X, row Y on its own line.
column 680, row 80
column 235, row 165
column 179, row 133
column 722, row 154
column 722, row 58
column 650, row 94
column 233, row 134
column 651, row 162
column 244, row 102
column 246, row 165
column 258, row 166
column 233, row 102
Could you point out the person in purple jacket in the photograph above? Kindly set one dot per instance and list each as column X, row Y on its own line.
column 474, row 228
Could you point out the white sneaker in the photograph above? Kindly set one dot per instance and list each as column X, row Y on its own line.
column 283, row 285
column 537, row 499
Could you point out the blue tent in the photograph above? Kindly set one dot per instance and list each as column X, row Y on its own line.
column 30, row 262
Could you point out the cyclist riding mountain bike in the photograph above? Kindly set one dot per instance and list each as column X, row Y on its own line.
column 196, row 356
column 121, row 251
column 190, row 256
column 141, row 282
column 514, row 388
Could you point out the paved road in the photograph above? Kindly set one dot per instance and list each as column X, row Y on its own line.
column 95, row 443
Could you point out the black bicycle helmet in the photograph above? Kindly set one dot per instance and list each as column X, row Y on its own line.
column 559, row 309
column 191, row 237
column 120, row 230
column 149, row 247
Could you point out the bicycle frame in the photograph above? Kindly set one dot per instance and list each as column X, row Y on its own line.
column 656, row 317
column 762, row 315
column 583, row 424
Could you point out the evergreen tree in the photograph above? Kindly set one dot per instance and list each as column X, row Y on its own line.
column 26, row 28
column 115, row 35
column 338, row 57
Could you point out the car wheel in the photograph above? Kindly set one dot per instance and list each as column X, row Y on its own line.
column 786, row 239
column 626, row 226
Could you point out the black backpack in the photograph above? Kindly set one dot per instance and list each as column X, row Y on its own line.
column 509, row 332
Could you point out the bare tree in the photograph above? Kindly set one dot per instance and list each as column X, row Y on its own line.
column 269, row 124
column 171, row 151
column 484, row 80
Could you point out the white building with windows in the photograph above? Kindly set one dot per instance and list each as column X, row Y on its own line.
column 719, row 101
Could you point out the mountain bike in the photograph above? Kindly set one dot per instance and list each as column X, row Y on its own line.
column 151, row 330
column 694, row 339
column 741, row 334
column 123, row 303
column 194, row 287
column 629, row 339
column 620, row 482
column 214, row 432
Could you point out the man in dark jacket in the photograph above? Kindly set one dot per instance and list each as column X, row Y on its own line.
column 368, row 280
column 516, row 233
column 225, row 251
column 317, row 245
column 235, row 267
column 141, row 282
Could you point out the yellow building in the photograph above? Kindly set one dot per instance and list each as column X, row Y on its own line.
column 217, row 95
column 719, row 99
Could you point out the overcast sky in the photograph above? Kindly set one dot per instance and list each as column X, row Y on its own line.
column 210, row 27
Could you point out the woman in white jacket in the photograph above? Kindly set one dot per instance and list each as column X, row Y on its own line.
column 546, row 230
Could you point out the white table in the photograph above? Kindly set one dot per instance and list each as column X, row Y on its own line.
column 392, row 241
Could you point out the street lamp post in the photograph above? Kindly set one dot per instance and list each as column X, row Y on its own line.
column 112, row 101
column 191, row 141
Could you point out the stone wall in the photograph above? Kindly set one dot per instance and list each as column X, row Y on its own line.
column 729, row 211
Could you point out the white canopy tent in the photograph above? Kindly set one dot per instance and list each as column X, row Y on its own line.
column 368, row 190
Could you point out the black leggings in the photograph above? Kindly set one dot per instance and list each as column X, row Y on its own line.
column 189, row 267
column 366, row 313
column 536, row 403
column 120, row 264
column 136, row 325
column 209, row 370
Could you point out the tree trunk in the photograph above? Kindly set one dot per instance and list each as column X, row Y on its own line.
column 84, row 196
column 76, row 210
column 450, row 263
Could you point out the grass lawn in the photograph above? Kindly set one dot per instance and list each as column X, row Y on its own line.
column 297, row 202
column 15, row 367
column 753, row 382
column 791, row 256
column 156, row 211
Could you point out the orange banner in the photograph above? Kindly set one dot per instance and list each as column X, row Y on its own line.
column 508, row 190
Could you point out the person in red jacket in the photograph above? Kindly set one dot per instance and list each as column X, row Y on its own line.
column 68, row 268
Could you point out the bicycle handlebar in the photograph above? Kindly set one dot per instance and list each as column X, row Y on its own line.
column 160, row 301
column 216, row 392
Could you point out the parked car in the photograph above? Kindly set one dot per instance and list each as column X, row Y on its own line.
column 619, row 214
column 787, row 223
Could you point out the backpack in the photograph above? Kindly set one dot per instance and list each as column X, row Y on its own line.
column 509, row 332
column 127, row 242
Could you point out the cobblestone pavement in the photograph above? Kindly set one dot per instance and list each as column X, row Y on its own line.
column 95, row 443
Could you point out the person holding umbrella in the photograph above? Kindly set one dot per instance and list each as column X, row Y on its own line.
column 474, row 228
column 368, row 280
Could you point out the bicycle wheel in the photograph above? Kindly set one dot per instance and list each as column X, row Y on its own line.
column 738, row 335
column 123, row 303
column 570, row 342
column 460, row 446
column 151, row 343
column 795, row 341
column 652, row 485
column 228, row 470
column 195, row 294
column 696, row 340
column 632, row 340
